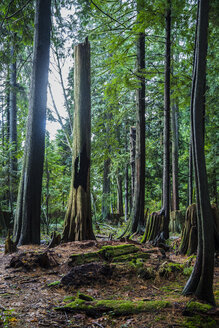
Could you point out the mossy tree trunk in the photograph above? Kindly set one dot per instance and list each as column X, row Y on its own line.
column 154, row 227
column 78, row 222
column 27, row 219
column 200, row 282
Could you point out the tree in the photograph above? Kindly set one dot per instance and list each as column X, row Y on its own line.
column 13, row 128
column 78, row 222
column 137, row 214
column 166, row 142
column 27, row 220
column 200, row 282
column 175, row 149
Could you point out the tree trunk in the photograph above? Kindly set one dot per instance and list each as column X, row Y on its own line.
column 106, row 189
column 200, row 282
column 190, row 188
column 78, row 222
column 132, row 158
column 175, row 150
column 137, row 214
column 27, row 221
column 166, row 156
column 119, row 195
column 13, row 130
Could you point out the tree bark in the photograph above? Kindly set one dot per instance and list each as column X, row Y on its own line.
column 190, row 188
column 175, row 150
column 27, row 221
column 200, row 282
column 13, row 129
column 106, row 189
column 132, row 158
column 78, row 222
column 119, row 195
column 137, row 214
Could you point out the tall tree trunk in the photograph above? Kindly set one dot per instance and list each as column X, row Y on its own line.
column 200, row 282
column 175, row 150
column 13, row 130
column 27, row 220
column 119, row 195
column 190, row 187
column 106, row 189
column 126, row 180
column 137, row 214
column 78, row 222
column 166, row 157
column 132, row 158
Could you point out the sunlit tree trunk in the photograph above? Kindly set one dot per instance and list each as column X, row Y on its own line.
column 27, row 220
column 78, row 222
column 200, row 282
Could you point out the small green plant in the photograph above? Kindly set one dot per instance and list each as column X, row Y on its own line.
column 7, row 317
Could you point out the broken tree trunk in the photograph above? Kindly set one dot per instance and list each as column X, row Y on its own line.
column 189, row 240
column 177, row 219
column 78, row 222
column 189, row 236
column 154, row 227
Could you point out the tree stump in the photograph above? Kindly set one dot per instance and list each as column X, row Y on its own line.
column 176, row 221
column 154, row 227
column 189, row 240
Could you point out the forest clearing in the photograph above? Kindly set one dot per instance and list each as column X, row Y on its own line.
column 31, row 290
column 109, row 211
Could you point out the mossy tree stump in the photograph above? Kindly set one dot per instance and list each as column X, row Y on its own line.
column 189, row 240
column 154, row 227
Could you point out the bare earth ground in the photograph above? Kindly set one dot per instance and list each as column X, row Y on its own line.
column 27, row 301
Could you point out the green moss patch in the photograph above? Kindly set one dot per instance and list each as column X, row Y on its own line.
column 79, row 259
column 110, row 252
column 115, row 307
column 131, row 257
column 199, row 321
column 198, row 307
column 54, row 283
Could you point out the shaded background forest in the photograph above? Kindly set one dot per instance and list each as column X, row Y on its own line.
column 113, row 29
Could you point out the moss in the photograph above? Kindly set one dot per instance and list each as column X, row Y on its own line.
column 167, row 268
column 115, row 307
column 110, row 252
column 187, row 271
column 216, row 294
column 198, row 321
column 85, row 297
column 54, row 283
column 68, row 299
column 131, row 257
column 78, row 259
column 198, row 307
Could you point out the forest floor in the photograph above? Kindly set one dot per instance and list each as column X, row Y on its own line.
column 26, row 300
